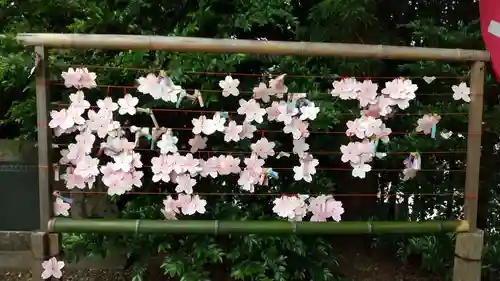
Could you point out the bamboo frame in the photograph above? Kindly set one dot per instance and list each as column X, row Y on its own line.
column 193, row 44
column 255, row 227
column 466, row 229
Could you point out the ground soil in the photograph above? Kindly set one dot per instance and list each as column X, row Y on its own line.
column 355, row 265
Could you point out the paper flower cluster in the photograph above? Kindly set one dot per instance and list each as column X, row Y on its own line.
column 102, row 151
column 296, row 207
column 99, row 137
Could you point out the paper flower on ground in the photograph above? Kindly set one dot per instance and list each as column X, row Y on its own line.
column 61, row 207
column 252, row 111
column 461, row 92
column 127, row 105
column 52, row 268
column 168, row 143
column 232, row 132
column 426, row 123
column 191, row 204
column 346, row 89
column 107, row 104
column 309, row 112
column 247, row 130
column 79, row 78
column 185, row 184
column 306, row 169
column 293, row 208
column 262, row 92
column 229, row 86
column 324, row 207
column 263, row 148
column 197, row 143
column 297, row 128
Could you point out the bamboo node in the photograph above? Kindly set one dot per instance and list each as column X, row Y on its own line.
column 137, row 222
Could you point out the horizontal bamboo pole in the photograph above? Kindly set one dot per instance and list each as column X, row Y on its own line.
column 194, row 44
column 251, row 227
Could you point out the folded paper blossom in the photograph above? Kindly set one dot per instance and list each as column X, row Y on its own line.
column 263, row 148
column 52, row 268
column 229, row 86
column 61, row 207
column 232, row 132
column 127, row 105
column 79, row 78
column 252, row 111
column 461, row 92
column 197, row 143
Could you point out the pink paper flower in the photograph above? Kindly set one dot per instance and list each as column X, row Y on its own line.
column 274, row 110
column 107, row 104
column 306, row 169
column 426, row 123
column 229, row 86
column 79, row 78
column 252, row 111
column 263, row 148
column 262, row 92
column 367, row 93
column 185, row 184
column 324, row 207
column 461, row 92
column 61, row 207
column 197, row 143
column 52, row 268
column 209, row 167
column 297, row 128
column 291, row 207
column 77, row 100
column 346, row 89
column 277, row 86
column 127, row 105
column 228, row 165
column 87, row 167
column 191, row 204
column 247, row 130
column 232, row 132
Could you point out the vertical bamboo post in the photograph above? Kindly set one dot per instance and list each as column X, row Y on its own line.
column 468, row 248
column 43, row 245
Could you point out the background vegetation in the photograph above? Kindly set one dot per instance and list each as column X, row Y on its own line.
column 429, row 23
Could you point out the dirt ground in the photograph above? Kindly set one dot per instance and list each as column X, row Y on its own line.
column 355, row 267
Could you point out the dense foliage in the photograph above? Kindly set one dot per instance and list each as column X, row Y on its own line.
column 447, row 24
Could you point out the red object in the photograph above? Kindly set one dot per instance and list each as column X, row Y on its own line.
column 489, row 11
